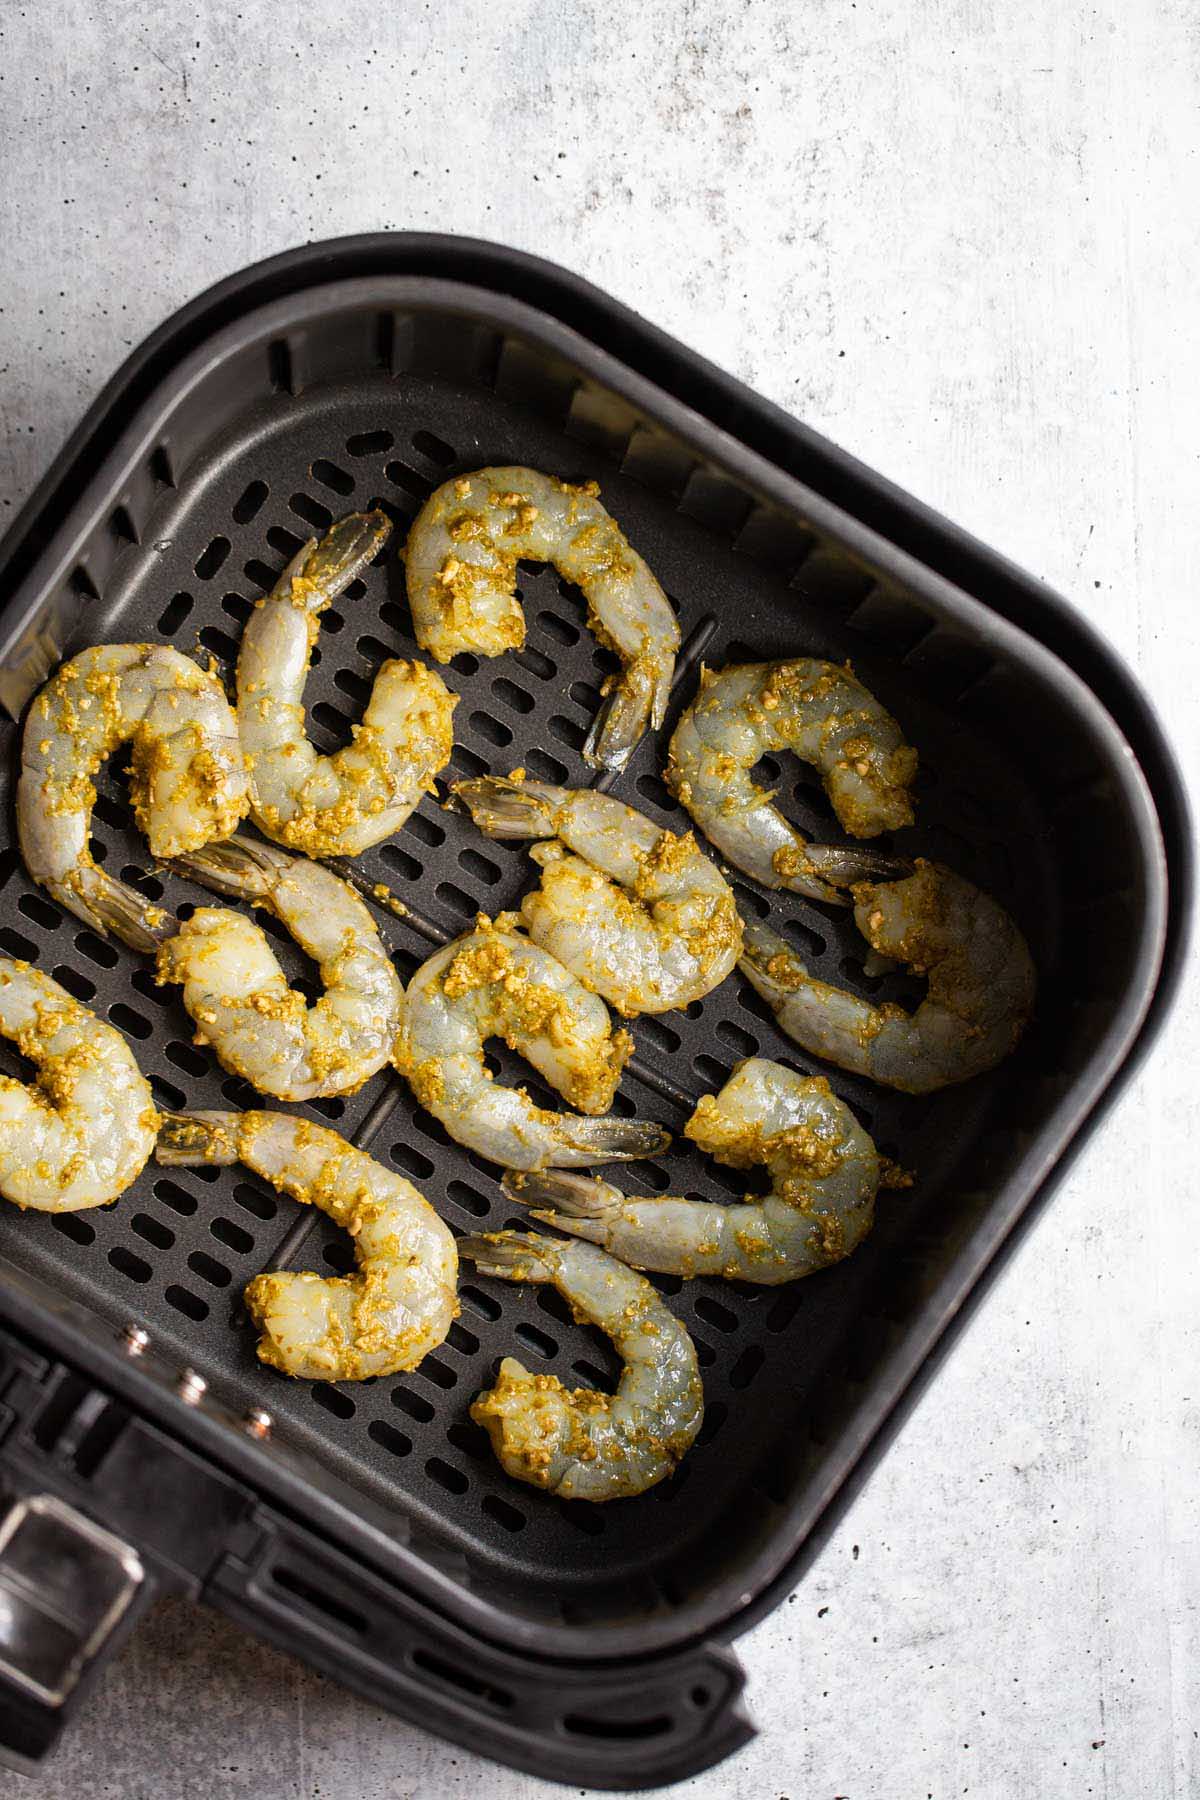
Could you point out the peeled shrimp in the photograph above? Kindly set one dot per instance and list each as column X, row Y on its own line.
column 638, row 914
column 824, row 1175
column 339, row 804
column 82, row 1132
column 980, row 996
column 829, row 719
column 462, row 571
column 187, row 777
column 582, row 1444
column 493, row 983
column 239, row 997
column 401, row 1302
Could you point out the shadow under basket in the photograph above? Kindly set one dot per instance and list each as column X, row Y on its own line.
column 372, row 1531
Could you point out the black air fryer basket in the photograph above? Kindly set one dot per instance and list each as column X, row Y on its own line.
column 367, row 1526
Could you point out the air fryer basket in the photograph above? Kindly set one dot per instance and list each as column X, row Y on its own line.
column 371, row 391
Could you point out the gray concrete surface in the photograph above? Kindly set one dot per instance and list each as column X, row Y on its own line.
column 962, row 239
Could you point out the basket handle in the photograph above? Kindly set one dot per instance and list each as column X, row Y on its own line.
column 70, row 1592
column 633, row 1724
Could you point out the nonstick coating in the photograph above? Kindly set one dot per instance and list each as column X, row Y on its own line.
column 176, row 1251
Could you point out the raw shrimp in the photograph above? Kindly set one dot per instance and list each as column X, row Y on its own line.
column 493, row 983
column 462, row 571
column 339, row 804
column 239, row 997
column 820, row 711
column 401, row 1302
column 582, row 1444
column 980, row 996
column 187, row 777
column 638, row 914
column 82, row 1132
column 824, row 1175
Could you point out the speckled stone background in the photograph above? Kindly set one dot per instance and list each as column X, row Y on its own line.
column 961, row 239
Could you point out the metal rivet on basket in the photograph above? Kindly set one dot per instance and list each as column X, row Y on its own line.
column 191, row 1387
column 136, row 1339
column 258, row 1423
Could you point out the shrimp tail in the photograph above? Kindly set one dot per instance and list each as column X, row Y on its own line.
column 579, row 1204
column 115, row 908
column 503, row 808
column 638, row 698
column 324, row 567
column 584, row 1141
column 240, row 868
column 511, row 1255
column 186, row 1139
column 844, row 864
column 768, row 962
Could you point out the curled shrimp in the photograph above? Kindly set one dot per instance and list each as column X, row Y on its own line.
column 462, row 571
column 824, row 1175
column 491, row 982
column 82, row 1132
column 820, row 711
column 339, row 804
column 402, row 1300
column 239, row 997
column 980, row 995
column 581, row 1443
column 187, row 774
column 638, row 914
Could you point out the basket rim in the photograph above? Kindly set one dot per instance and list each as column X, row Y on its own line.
column 308, row 283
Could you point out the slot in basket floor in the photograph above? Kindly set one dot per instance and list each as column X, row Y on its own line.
column 177, row 1249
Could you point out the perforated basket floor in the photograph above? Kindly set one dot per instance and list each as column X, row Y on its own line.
column 176, row 1251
